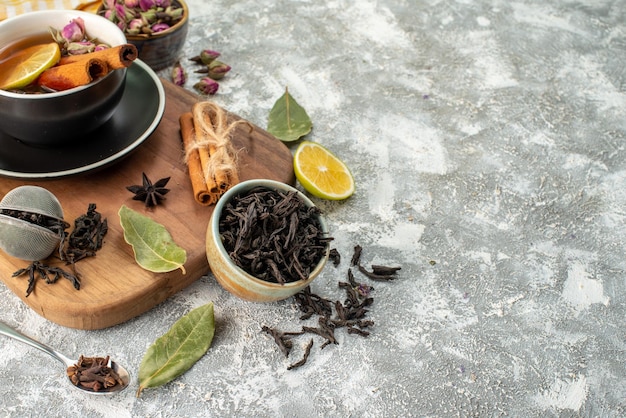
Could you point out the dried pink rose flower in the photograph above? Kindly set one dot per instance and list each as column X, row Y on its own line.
column 207, row 86
column 79, row 48
column 74, row 31
column 217, row 69
column 179, row 76
column 159, row 27
column 208, row 55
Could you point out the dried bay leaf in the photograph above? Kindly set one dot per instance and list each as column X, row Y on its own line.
column 152, row 244
column 288, row 121
column 178, row 349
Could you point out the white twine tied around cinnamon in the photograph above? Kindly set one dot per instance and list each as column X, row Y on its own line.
column 213, row 144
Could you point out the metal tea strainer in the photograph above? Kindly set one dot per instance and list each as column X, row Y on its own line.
column 20, row 238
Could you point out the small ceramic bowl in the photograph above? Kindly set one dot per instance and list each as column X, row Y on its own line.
column 49, row 119
column 236, row 280
column 162, row 49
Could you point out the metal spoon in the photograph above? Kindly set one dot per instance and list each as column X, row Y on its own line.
column 122, row 372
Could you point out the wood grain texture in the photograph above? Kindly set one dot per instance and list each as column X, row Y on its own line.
column 114, row 288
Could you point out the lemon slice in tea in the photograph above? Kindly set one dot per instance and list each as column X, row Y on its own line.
column 23, row 67
column 321, row 173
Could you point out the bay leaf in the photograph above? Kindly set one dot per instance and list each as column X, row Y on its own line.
column 288, row 121
column 178, row 349
column 152, row 244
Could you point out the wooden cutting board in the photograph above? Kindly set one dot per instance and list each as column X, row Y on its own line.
column 114, row 288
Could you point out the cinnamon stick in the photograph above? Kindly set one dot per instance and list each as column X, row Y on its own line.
column 209, row 153
column 80, row 73
column 198, row 184
column 121, row 56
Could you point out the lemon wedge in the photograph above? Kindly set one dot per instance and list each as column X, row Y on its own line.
column 23, row 67
column 321, row 173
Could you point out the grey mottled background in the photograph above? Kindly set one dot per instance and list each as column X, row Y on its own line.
column 487, row 143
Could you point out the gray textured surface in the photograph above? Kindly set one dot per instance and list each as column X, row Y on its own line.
column 487, row 142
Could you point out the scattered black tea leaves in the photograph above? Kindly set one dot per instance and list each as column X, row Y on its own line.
column 378, row 273
column 356, row 256
column 350, row 314
column 380, row 277
column 87, row 236
column 334, row 256
column 384, row 270
column 282, row 339
column 302, row 361
column 326, row 330
column 49, row 274
column 312, row 304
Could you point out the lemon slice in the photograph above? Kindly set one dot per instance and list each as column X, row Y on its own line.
column 23, row 67
column 321, row 173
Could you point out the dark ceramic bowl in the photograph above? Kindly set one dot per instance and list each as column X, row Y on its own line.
column 162, row 49
column 49, row 119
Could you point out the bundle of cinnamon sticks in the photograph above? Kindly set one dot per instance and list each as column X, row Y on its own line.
column 79, row 70
column 209, row 153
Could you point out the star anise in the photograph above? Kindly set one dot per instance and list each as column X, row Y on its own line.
column 150, row 194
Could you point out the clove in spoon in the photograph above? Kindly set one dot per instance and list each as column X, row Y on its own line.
column 121, row 371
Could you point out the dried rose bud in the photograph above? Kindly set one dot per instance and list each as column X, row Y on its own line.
column 74, row 31
column 123, row 14
column 174, row 14
column 134, row 26
column 131, row 4
column 207, row 86
column 79, row 48
column 109, row 14
column 217, row 69
column 159, row 27
column 147, row 4
column 149, row 16
column 100, row 47
column 207, row 56
column 179, row 76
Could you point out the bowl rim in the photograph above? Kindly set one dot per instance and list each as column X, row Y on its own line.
column 271, row 184
column 71, row 14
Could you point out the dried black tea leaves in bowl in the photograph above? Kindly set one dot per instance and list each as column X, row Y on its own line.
column 273, row 235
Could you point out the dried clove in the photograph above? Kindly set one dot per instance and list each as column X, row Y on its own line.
column 93, row 373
